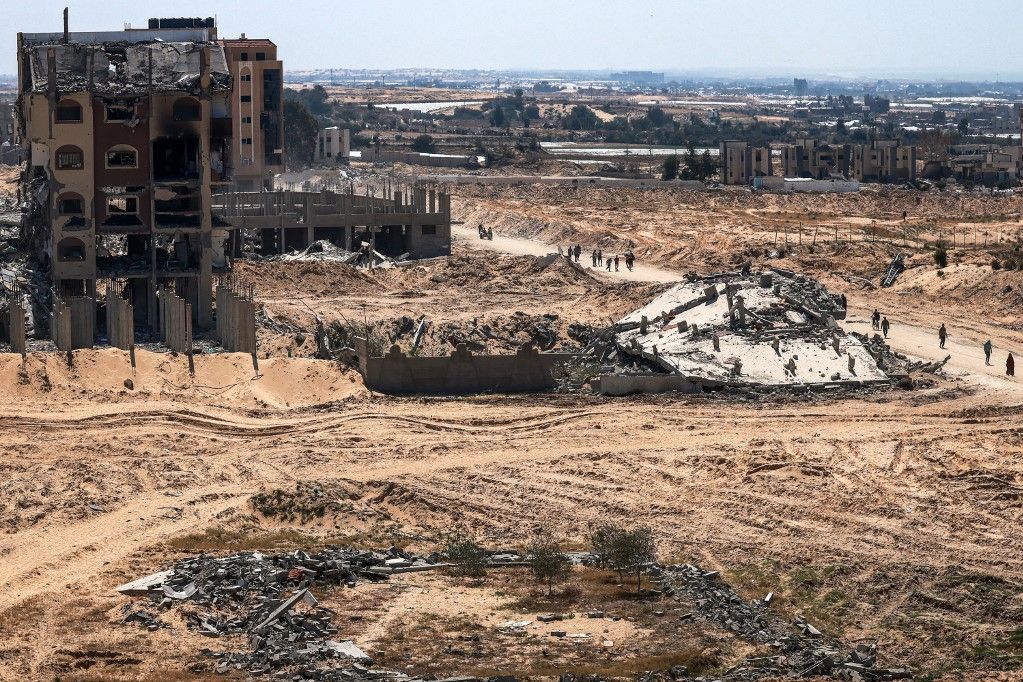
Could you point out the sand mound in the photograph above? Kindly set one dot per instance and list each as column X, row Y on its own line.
column 225, row 379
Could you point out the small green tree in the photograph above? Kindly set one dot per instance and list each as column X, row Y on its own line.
column 669, row 170
column 424, row 144
column 604, row 540
column 626, row 551
column 468, row 558
column 635, row 551
column 546, row 560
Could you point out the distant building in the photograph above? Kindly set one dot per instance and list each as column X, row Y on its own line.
column 332, row 144
column 883, row 161
column 639, row 77
column 810, row 158
column 257, row 107
column 1003, row 165
column 740, row 162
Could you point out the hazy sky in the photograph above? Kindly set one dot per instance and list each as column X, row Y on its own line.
column 875, row 38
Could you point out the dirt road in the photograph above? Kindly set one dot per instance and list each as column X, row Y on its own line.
column 641, row 272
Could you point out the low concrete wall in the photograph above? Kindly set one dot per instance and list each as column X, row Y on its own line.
column 625, row 384
column 460, row 373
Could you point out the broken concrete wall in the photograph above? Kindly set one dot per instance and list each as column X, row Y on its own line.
column 627, row 384
column 459, row 373
column 120, row 321
column 16, row 327
column 73, row 324
column 175, row 322
column 236, row 320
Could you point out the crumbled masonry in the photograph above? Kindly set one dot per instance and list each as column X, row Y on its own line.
column 741, row 329
column 269, row 599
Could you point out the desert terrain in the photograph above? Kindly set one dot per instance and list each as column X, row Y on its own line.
column 889, row 515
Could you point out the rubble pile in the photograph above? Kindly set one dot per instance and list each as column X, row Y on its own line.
column 801, row 650
column 323, row 250
column 267, row 597
column 742, row 329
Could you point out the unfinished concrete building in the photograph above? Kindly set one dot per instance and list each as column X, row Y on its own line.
column 740, row 162
column 392, row 220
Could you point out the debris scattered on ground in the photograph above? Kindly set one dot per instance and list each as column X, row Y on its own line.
column 741, row 329
column 800, row 649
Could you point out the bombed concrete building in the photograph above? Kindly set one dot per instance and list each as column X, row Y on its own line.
column 128, row 134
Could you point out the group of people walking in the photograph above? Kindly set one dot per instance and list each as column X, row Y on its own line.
column 597, row 259
column 881, row 323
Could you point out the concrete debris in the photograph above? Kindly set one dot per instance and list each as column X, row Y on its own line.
column 895, row 269
column 774, row 329
column 323, row 250
column 267, row 598
column 801, row 650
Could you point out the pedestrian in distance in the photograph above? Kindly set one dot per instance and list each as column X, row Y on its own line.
column 988, row 347
column 845, row 303
column 885, row 326
column 1010, row 366
column 616, row 262
column 600, row 258
column 875, row 319
column 942, row 336
column 609, row 263
column 593, row 259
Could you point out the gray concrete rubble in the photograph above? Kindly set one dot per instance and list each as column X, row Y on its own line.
column 798, row 648
column 741, row 329
column 268, row 598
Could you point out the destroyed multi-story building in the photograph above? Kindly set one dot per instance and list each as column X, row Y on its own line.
column 151, row 155
column 128, row 133
column 741, row 162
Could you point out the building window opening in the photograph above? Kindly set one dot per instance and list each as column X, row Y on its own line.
column 68, row 111
column 122, row 205
column 122, row 157
column 260, row 56
column 244, row 56
column 246, row 98
column 71, row 249
column 120, row 110
column 70, row 205
column 187, row 109
column 70, row 158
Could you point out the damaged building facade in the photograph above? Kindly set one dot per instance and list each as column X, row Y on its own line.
column 129, row 135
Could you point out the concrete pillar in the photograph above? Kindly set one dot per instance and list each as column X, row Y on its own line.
column 204, row 309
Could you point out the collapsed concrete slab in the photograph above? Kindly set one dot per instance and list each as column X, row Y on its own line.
column 773, row 328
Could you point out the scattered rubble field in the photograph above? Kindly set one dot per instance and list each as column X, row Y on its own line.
column 889, row 520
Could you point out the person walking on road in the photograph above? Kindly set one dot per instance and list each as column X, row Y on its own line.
column 1010, row 366
column 600, row 258
column 609, row 263
column 942, row 335
column 593, row 258
column 885, row 326
column 875, row 319
column 988, row 347
column 616, row 262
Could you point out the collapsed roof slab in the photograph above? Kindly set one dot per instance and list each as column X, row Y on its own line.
column 748, row 329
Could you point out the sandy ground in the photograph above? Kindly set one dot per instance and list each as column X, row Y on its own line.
column 889, row 515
